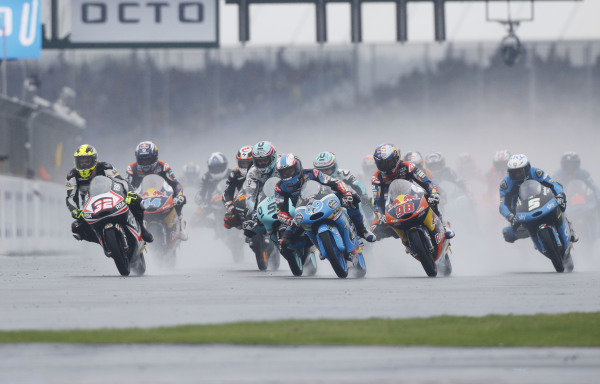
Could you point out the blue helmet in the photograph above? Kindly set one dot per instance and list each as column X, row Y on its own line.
column 326, row 163
column 217, row 163
column 265, row 156
column 146, row 155
column 290, row 169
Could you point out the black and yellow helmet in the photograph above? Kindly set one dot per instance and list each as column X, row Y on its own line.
column 86, row 160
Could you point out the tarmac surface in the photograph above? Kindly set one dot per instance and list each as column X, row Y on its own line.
column 56, row 363
column 83, row 290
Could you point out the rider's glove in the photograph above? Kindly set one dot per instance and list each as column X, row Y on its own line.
column 132, row 197
column 434, row 199
column 179, row 200
column 228, row 204
column 77, row 214
column 380, row 218
column 512, row 219
column 561, row 199
column 348, row 199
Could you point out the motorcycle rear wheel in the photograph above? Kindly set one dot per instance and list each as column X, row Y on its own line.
column 416, row 242
column 120, row 258
column 552, row 251
column 332, row 255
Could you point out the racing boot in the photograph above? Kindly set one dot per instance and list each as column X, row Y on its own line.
column 180, row 233
column 363, row 231
column 574, row 237
column 448, row 232
column 146, row 235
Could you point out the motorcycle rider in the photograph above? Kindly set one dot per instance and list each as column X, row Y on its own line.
column 436, row 163
column 416, row 158
column 147, row 163
column 264, row 157
column 191, row 175
column 217, row 172
column 368, row 169
column 293, row 177
column 570, row 169
column 498, row 170
column 391, row 167
column 326, row 162
column 235, row 182
column 79, row 178
column 519, row 170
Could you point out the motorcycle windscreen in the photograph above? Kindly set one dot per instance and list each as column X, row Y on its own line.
column 269, row 186
column 530, row 188
column 402, row 187
column 311, row 191
column 100, row 185
column 155, row 182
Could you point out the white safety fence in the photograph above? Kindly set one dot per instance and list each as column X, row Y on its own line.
column 33, row 217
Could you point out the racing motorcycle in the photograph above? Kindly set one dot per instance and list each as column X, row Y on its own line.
column 161, row 218
column 321, row 215
column 301, row 261
column 538, row 212
column 409, row 215
column 583, row 212
column 211, row 216
column 117, row 229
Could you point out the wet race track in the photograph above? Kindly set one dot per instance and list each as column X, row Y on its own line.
column 82, row 290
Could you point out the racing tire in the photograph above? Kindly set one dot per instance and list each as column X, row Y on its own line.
column 416, row 242
column 139, row 267
column 260, row 251
column 111, row 239
column 552, row 251
column 333, row 256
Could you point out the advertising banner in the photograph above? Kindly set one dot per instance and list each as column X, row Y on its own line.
column 144, row 23
column 20, row 29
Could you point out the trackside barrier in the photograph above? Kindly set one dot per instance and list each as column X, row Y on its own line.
column 33, row 217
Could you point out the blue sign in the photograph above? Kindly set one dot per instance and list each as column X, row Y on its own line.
column 20, row 29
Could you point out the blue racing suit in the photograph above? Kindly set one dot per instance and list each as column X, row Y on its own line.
column 284, row 194
column 509, row 190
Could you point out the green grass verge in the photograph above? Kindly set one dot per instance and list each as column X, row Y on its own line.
column 572, row 329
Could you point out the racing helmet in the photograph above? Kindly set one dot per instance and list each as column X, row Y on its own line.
column 217, row 163
column 387, row 158
column 435, row 161
column 368, row 165
column 264, row 156
column 146, row 155
column 415, row 158
column 518, row 167
column 191, row 170
column 326, row 163
column 500, row 160
column 244, row 158
column 86, row 161
column 570, row 161
column 290, row 168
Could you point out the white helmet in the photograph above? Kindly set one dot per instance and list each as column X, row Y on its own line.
column 500, row 159
column 518, row 167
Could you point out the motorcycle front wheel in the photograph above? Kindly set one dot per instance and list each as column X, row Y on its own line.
column 111, row 240
column 416, row 242
column 335, row 258
column 552, row 251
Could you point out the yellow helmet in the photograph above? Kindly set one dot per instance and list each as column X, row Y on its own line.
column 86, row 160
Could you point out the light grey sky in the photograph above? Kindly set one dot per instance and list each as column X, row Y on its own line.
column 295, row 24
